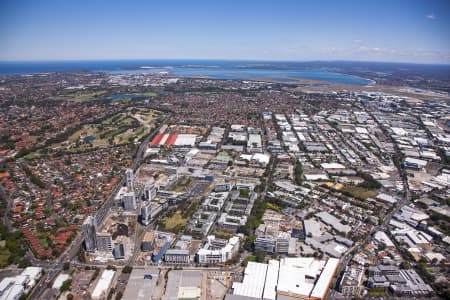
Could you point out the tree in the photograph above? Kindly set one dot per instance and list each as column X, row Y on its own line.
column 298, row 172
column 127, row 269
column 24, row 263
column 66, row 266
column 66, row 285
column 260, row 256
column 405, row 265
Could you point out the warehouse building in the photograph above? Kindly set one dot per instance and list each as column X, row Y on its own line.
column 293, row 278
column 103, row 285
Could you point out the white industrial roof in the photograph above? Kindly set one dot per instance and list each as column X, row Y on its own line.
column 60, row 280
column 421, row 163
column 322, row 285
column 185, row 140
column 332, row 166
column 387, row 198
column 290, row 276
column 271, row 280
column 254, row 138
column 383, row 238
column 253, row 283
column 295, row 273
column 293, row 281
column 316, row 176
column 399, row 131
column 361, row 130
column 33, row 272
column 14, row 292
column 103, row 284
column 313, row 227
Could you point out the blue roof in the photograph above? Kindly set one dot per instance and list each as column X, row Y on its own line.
column 157, row 257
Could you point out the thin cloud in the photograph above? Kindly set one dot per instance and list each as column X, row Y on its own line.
column 431, row 17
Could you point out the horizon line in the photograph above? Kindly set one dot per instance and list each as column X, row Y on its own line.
column 218, row 59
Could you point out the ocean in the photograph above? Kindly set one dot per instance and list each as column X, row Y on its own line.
column 220, row 69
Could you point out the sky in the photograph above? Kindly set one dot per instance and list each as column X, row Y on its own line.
column 383, row 30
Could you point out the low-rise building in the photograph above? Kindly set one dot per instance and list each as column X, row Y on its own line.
column 213, row 253
column 400, row 282
column 350, row 284
column 177, row 256
column 231, row 223
column 103, row 285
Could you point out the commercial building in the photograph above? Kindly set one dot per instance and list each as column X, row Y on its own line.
column 272, row 244
column 129, row 201
column 89, row 234
column 213, row 253
column 175, row 140
column 231, row 223
column 334, row 222
column 265, row 243
column 382, row 238
column 104, row 242
column 183, row 285
column 201, row 222
column 129, row 178
column 149, row 191
column 147, row 242
column 350, row 284
column 161, row 244
column 215, row 201
column 119, row 250
column 57, row 284
column 14, row 287
column 145, row 214
column 177, row 256
column 254, row 143
column 222, row 187
column 400, row 282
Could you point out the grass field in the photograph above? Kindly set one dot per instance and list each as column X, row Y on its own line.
column 182, row 184
column 360, row 192
column 116, row 130
column 82, row 97
column 273, row 207
column 175, row 222
column 149, row 94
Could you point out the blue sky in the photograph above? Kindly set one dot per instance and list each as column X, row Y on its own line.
column 382, row 30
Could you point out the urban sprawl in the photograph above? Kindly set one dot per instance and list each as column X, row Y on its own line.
column 146, row 186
